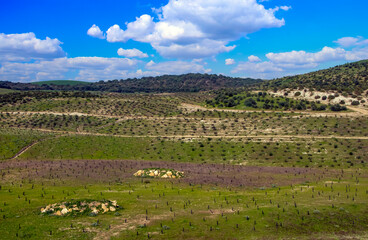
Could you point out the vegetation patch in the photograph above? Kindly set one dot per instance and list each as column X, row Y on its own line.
column 80, row 207
column 159, row 173
column 349, row 79
column 239, row 99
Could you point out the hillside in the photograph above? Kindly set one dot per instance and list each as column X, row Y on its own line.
column 173, row 83
column 351, row 78
column 167, row 83
column 60, row 82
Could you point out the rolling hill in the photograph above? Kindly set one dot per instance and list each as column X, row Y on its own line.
column 173, row 83
column 351, row 78
column 166, row 83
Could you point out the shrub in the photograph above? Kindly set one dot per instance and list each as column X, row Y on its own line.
column 355, row 103
column 337, row 108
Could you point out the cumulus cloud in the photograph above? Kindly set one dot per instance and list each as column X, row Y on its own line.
column 302, row 57
column 202, row 49
column 285, row 8
column 286, row 63
column 86, row 68
column 253, row 58
column 137, row 30
column 93, row 69
column 131, row 53
column 150, row 63
column 176, row 67
column 268, row 69
column 96, row 32
column 203, row 27
column 25, row 58
column 25, row 46
column 351, row 41
column 229, row 61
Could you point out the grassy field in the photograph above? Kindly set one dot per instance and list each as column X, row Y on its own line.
column 247, row 174
column 13, row 140
column 339, row 153
column 173, row 209
column 4, row 91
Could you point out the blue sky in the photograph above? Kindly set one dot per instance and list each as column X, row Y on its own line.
column 111, row 39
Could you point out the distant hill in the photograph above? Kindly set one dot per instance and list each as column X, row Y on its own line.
column 173, row 83
column 351, row 78
column 166, row 83
column 61, row 82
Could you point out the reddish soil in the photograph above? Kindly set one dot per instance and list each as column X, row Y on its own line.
column 109, row 171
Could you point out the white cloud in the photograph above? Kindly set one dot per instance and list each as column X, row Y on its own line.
column 25, row 46
column 131, row 53
column 175, row 67
column 268, row 69
column 115, row 34
column 85, row 68
column 262, row 67
column 93, row 69
column 351, row 41
column 253, row 58
column 285, row 8
column 286, row 63
column 96, row 32
column 203, row 27
column 357, row 54
column 229, row 61
column 302, row 57
column 201, row 49
column 150, row 63
column 137, row 30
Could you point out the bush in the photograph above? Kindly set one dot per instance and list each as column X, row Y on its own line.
column 337, row 108
column 250, row 102
column 355, row 103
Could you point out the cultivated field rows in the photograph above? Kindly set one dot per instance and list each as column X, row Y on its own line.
column 247, row 174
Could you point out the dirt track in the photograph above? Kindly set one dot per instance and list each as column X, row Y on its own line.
column 357, row 112
column 24, row 150
column 206, row 136
column 190, row 108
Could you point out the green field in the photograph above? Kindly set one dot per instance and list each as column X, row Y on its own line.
column 4, row 91
column 250, row 174
column 335, row 153
column 170, row 209
column 13, row 140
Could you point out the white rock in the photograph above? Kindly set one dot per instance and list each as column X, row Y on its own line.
column 64, row 211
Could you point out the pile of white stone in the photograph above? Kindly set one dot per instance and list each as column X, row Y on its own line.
column 80, row 207
column 159, row 173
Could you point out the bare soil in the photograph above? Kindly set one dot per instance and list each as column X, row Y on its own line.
column 87, row 171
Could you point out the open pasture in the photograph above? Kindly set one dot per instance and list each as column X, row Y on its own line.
column 247, row 174
column 213, row 199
